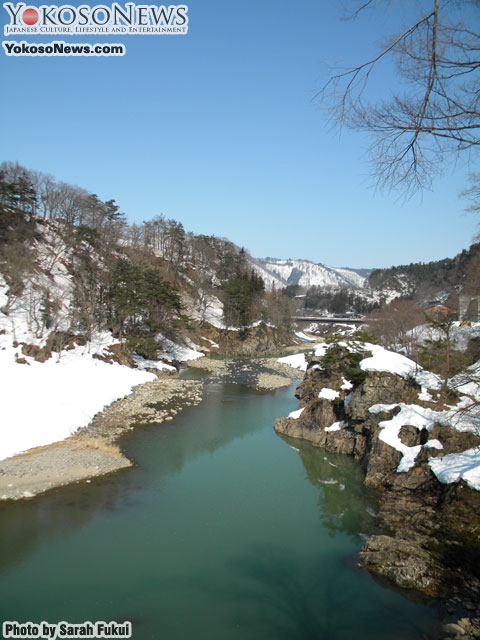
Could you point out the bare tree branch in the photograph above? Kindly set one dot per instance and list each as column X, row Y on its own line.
column 440, row 113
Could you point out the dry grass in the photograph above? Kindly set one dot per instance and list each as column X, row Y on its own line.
column 102, row 445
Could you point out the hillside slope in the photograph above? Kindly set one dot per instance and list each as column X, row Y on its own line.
column 439, row 280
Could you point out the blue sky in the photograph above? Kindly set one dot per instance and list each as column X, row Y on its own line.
column 219, row 129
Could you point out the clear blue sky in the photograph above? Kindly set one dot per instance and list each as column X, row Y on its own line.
column 219, row 129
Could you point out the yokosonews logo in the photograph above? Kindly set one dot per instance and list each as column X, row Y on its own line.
column 66, row 19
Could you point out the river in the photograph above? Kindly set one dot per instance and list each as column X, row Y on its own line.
column 222, row 530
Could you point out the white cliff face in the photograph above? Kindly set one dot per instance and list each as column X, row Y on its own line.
column 271, row 278
column 306, row 274
column 354, row 278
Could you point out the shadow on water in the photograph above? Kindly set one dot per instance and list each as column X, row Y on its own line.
column 287, row 600
column 274, row 593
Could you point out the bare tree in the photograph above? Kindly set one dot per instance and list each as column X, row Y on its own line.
column 16, row 262
column 437, row 56
column 395, row 324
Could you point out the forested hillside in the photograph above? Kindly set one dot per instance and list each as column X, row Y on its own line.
column 436, row 280
column 75, row 266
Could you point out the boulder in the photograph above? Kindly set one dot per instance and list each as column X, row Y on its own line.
column 404, row 563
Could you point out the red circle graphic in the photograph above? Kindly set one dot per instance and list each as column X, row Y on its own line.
column 30, row 16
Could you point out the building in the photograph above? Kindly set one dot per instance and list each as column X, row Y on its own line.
column 438, row 311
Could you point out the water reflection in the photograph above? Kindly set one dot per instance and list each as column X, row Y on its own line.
column 345, row 504
column 214, row 424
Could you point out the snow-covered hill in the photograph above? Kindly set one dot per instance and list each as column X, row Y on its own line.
column 306, row 274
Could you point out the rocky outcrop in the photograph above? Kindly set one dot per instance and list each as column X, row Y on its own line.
column 403, row 562
column 428, row 533
column 255, row 340
column 359, row 433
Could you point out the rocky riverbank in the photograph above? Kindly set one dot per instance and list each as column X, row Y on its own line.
column 265, row 374
column 428, row 532
column 44, row 468
column 92, row 450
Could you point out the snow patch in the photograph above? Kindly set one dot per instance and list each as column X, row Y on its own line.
column 433, row 444
column 328, row 394
column 424, row 395
column 297, row 361
column 304, row 337
column 384, row 360
column 174, row 351
column 143, row 364
column 320, row 349
column 214, row 344
column 412, row 414
column 456, row 466
column 336, row 426
column 296, row 414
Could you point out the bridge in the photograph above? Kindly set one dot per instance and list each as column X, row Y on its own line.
column 329, row 320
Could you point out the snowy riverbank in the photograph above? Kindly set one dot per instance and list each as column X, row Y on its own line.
column 90, row 452
column 46, row 402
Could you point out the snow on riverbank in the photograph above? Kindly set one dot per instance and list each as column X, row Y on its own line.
column 391, row 362
column 303, row 337
column 174, row 351
column 297, row 361
column 41, row 403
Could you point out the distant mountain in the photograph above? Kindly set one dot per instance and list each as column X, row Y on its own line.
column 306, row 274
column 438, row 281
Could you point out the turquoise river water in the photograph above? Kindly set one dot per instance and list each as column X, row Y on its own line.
column 222, row 530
